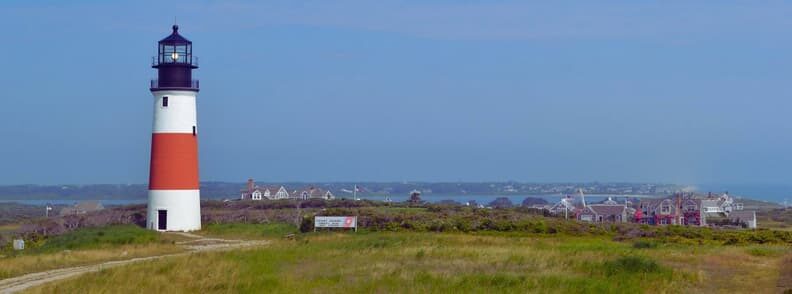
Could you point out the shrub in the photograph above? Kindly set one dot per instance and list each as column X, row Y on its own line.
column 539, row 227
column 532, row 200
column 501, row 202
column 464, row 225
column 307, row 224
column 631, row 265
column 644, row 244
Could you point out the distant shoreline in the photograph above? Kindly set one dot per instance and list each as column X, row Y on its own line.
column 484, row 199
column 137, row 193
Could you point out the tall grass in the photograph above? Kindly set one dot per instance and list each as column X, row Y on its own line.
column 409, row 262
column 632, row 265
column 93, row 238
column 249, row 231
column 84, row 246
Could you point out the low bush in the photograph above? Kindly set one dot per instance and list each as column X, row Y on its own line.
column 644, row 244
column 379, row 216
column 631, row 265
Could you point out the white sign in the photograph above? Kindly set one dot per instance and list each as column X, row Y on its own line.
column 19, row 244
column 335, row 222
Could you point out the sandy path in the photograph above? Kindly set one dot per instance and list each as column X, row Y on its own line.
column 785, row 278
column 199, row 244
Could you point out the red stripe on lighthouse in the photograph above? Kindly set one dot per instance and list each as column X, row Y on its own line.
column 174, row 162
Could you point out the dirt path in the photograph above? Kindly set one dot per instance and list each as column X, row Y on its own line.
column 198, row 244
column 785, row 278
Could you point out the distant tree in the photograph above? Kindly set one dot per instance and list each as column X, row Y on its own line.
column 533, row 200
column 501, row 202
column 448, row 202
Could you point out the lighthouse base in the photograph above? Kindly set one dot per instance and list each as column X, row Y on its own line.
column 174, row 210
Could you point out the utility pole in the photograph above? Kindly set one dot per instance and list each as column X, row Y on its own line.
column 678, row 207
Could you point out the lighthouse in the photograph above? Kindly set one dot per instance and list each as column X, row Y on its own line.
column 174, row 199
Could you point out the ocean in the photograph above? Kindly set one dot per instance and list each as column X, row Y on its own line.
column 767, row 192
column 778, row 193
column 104, row 202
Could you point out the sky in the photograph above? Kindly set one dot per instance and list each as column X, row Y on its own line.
column 553, row 91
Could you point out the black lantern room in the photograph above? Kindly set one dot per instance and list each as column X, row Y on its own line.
column 174, row 63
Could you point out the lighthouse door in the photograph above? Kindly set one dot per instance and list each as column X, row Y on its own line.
column 162, row 219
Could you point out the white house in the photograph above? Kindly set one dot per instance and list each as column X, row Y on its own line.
column 254, row 192
column 312, row 193
column 274, row 193
column 270, row 193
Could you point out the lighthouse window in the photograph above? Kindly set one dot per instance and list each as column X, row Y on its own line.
column 165, row 101
column 194, row 130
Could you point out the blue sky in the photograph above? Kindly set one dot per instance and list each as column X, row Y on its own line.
column 669, row 91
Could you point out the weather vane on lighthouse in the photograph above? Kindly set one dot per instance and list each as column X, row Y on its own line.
column 174, row 200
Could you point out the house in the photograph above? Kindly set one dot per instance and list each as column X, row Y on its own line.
column 660, row 212
column 690, row 210
column 415, row 197
column 721, row 204
column 82, row 208
column 610, row 212
column 247, row 193
column 692, row 214
column 254, row 192
column 564, row 207
column 270, row 193
column 747, row 217
column 312, row 193
column 541, row 206
column 275, row 192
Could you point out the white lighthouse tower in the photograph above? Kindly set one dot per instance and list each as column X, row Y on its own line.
column 174, row 200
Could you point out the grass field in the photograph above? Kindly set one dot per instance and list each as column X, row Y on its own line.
column 84, row 246
column 248, row 231
column 422, row 262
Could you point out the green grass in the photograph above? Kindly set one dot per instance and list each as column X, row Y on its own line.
column 84, row 246
column 249, row 231
column 399, row 262
column 632, row 265
column 644, row 244
column 88, row 238
column 93, row 238
column 760, row 250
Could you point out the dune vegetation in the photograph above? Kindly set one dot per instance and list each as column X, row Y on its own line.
column 448, row 262
column 248, row 231
column 82, row 247
column 404, row 248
